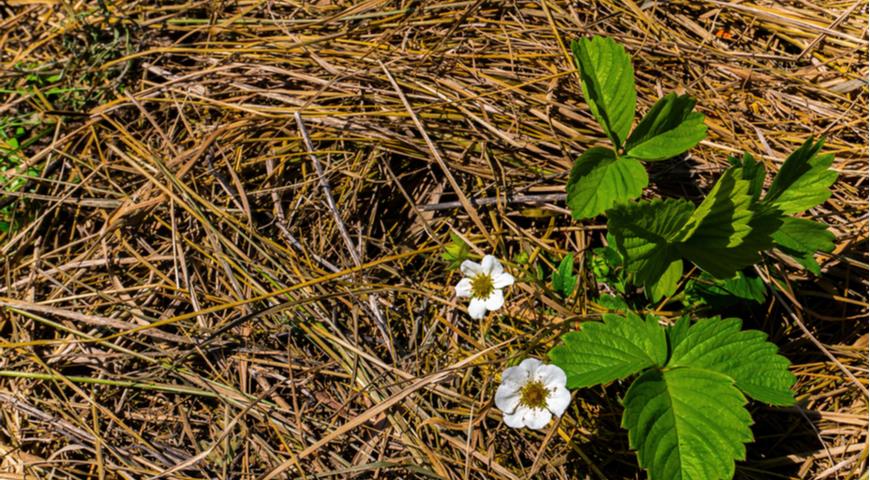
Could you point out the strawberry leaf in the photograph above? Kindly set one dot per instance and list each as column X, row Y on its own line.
column 600, row 180
column 686, row 423
column 601, row 352
column 667, row 130
column 801, row 238
column 746, row 356
column 804, row 180
column 607, row 81
column 647, row 235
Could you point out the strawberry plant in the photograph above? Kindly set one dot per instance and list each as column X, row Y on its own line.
column 686, row 411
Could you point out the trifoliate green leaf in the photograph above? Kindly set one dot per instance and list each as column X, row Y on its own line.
column 600, row 180
column 715, row 236
column 667, row 130
column 607, row 81
column 722, row 235
column 746, row 356
column 601, row 352
column 801, row 239
column 803, row 181
column 563, row 279
column 646, row 235
column 686, row 424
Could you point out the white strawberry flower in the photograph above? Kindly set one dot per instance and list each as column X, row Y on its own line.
column 531, row 393
column 483, row 282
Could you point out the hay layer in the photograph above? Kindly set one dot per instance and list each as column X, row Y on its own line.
column 225, row 218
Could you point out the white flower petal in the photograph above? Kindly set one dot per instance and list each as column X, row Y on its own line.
column 515, row 376
column 551, row 376
column 502, row 280
column 558, row 400
column 488, row 263
column 515, row 420
column 528, row 366
column 463, row 288
column 536, row 418
column 507, row 397
column 496, row 268
column 477, row 308
column 495, row 300
column 470, row 269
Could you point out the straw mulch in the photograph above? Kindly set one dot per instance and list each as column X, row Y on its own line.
column 185, row 295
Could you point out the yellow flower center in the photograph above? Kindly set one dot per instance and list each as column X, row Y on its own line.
column 482, row 286
column 534, row 395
